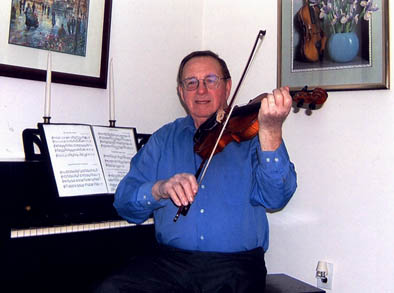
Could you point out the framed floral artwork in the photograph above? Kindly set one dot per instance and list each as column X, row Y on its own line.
column 336, row 45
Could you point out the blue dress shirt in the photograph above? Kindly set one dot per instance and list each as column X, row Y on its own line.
column 229, row 210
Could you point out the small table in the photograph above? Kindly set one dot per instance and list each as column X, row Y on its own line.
column 282, row 283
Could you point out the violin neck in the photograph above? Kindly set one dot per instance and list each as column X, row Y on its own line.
column 313, row 15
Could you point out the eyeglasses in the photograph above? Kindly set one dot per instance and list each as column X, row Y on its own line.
column 210, row 82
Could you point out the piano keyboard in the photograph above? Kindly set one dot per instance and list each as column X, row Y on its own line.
column 33, row 232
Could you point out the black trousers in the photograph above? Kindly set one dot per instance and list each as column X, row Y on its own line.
column 174, row 270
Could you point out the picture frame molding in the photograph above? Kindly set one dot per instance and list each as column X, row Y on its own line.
column 323, row 77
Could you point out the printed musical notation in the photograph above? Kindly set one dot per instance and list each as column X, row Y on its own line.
column 116, row 147
column 88, row 159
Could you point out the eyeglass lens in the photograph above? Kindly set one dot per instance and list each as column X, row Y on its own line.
column 210, row 81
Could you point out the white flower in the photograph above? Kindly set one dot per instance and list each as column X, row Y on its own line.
column 356, row 19
column 364, row 3
column 344, row 19
column 343, row 15
column 367, row 15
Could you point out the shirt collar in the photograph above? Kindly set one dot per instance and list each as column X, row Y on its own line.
column 188, row 123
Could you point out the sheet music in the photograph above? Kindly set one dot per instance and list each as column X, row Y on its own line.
column 75, row 160
column 116, row 147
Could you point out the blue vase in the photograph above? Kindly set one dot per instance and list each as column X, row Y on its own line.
column 343, row 47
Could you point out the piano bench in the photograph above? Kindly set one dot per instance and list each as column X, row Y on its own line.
column 282, row 283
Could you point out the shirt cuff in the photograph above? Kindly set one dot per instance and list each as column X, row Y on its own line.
column 145, row 197
column 273, row 159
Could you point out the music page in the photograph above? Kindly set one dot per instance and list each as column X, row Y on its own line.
column 75, row 162
column 116, row 147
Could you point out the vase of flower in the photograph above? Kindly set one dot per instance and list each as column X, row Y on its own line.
column 343, row 47
column 340, row 18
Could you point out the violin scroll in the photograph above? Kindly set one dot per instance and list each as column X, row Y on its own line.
column 310, row 99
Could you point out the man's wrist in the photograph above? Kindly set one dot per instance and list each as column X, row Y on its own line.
column 156, row 190
column 270, row 140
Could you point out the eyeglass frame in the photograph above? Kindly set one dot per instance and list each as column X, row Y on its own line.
column 204, row 81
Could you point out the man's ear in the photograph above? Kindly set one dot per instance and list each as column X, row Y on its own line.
column 180, row 93
column 179, row 90
column 228, row 88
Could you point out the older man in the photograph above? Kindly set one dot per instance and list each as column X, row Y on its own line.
column 219, row 245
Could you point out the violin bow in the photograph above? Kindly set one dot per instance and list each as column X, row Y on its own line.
column 260, row 36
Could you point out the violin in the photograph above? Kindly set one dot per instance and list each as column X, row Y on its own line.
column 242, row 125
column 314, row 40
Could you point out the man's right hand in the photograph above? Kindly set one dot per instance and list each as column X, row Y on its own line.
column 181, row 188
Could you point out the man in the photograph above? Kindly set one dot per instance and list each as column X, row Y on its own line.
column 219, row 245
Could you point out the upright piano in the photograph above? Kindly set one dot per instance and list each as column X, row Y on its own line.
column 53, row 244
column 61, row 244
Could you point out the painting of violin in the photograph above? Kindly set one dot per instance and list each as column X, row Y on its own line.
column 313, row 41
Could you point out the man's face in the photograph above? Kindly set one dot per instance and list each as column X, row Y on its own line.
column 202, row 102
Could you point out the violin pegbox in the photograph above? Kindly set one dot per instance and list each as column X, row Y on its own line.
column 309, row 99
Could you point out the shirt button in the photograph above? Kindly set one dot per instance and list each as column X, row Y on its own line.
column 148, row 202
column 144, row 196
column 202, row 211
column 276, row 160
column 267, row 160
column 202, row 237
column 203, row 186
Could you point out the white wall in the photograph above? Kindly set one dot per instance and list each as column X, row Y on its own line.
column 343, row 210
column 146, row 46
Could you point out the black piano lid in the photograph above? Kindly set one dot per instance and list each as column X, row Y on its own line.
column 30, row 201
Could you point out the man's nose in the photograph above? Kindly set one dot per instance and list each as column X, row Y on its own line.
column 202, row 88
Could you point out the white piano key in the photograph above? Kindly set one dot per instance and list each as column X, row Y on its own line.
column 45, row 231
column 115, row 224
column 21, row 233
column 42, row 231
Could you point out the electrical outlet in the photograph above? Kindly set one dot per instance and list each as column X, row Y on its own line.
column 326, row 283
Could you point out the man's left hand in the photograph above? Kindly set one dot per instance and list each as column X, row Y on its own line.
column 273, row 111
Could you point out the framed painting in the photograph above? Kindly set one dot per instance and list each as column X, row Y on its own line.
column 320, row 47
column 77, row 32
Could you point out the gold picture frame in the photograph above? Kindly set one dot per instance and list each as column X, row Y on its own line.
column 369, row 70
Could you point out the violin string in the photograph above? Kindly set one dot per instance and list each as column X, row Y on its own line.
column 260, row 37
